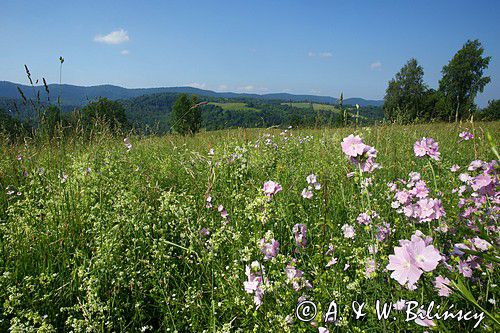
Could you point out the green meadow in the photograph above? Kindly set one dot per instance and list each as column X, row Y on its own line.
column 100, row 236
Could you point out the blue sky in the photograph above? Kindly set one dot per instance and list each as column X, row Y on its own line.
column 313, row 47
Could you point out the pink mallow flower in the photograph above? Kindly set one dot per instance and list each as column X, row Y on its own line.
column 208, row 202
column 348, row 231
column 311, row 179
column 313, row 182
column 307, row 193
column 474, row 165
column 480, row 243
column 300, row 232
column 413, row 200
column 429, row 209
column 427, row 146
column 400, row 305
column 423, row 320
column 465, row 268
column 331, row 262
column 222, row 211
column 255, row 282
column 383, row 231
column 465, row 135
column 269, row 248
column 481, row 181
column 271, row 188
column 442, row 286
column 295, row 278
column 353, row 146
column 364, row 218
column 411, row 259
column 360, row 154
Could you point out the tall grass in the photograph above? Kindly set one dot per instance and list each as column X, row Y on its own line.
column 97, row 237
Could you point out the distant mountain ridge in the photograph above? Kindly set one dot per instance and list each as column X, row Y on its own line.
column 80, row 95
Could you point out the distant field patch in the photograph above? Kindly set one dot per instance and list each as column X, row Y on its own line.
column 234, row 106
column 316, row 106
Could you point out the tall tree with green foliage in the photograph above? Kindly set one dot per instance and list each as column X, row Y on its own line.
column 186, row 115
column 463, row 78
column 405, row 94
column 111, row 112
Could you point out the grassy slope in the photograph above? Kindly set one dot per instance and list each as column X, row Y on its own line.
column 316, row 106
column 117, row 247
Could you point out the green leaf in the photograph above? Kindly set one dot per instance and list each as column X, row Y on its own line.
column 467, row 295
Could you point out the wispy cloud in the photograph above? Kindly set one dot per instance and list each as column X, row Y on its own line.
column 197, row 85
column 252, row 89
column 324, row 54
column 247, row 88
column 114, row 37
column 222, row 87
column 125, row 52
column 377, row 65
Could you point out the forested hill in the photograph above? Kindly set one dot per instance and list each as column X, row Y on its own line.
column 148, row 110
column 151, row 113
column 79, row 95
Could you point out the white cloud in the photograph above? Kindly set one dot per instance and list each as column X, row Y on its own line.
column 114, row 37
column 315, row 91
column 247, row 88
column 197, row 85
column 252, row 89
column 377, row 65
column 222, row 87
column 324, row 54
column 125, row 52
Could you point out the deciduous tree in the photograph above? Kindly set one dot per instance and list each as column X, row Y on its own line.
column 404, row 98
column 463, row 78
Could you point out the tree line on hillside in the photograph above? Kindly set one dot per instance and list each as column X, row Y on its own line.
column 171, row 112
column 409, row 99
column 163, row 113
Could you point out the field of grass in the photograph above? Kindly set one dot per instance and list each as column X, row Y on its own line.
column 316, row 106
column 176, row 234
column 234, row 106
